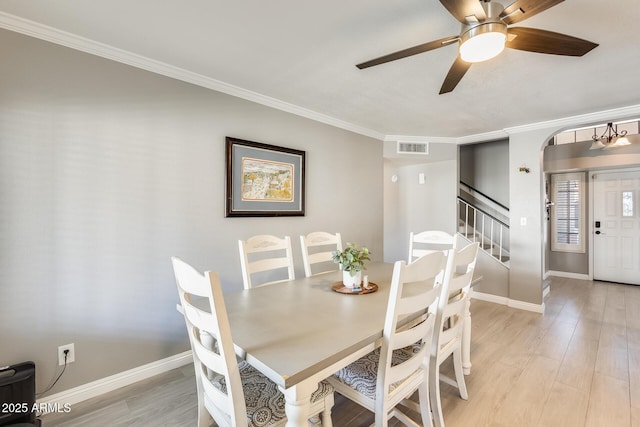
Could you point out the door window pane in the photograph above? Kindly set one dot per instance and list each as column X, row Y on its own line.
column 627, row 203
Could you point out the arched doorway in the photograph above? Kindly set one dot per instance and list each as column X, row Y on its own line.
column 593, row 224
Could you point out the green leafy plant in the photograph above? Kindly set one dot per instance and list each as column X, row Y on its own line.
column 352, row 258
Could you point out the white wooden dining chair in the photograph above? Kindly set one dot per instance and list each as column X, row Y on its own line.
column 388, row 376
column 317, row 248
column 232, row 393
column 264, row 254
column 427, row 241
column 449, row 325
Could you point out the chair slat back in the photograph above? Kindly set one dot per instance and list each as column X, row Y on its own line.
column 455, row 292
column 414, row 290
column 324, row 243
column 428, row 241
column 279, row 253
column 213, row 351
column 464, row 264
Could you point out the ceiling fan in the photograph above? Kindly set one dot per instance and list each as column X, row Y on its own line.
column 486, row 32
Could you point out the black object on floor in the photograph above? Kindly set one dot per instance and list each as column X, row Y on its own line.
column 18, row 395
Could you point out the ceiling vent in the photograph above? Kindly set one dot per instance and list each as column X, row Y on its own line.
column 413, row 147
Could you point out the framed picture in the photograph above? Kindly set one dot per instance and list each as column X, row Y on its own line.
column 263, row 179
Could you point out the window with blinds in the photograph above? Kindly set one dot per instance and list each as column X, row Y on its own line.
column 568, row 212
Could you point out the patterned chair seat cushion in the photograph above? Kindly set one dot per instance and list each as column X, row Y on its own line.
column 362, row 374
column 265, row 403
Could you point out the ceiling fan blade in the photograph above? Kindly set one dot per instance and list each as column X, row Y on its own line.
column 460, row 9
column 425, row 47
column 456, row 72
column 542, row 41
column 523, row 9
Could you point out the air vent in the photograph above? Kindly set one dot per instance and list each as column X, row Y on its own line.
column 413, row 147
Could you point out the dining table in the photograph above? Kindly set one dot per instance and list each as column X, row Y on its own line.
column 301, row 331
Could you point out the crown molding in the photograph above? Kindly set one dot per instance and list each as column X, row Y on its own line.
column 622, row 113
column 480, row 137
column 483, row 137
column 419, row 139
column 579, row 120
column 63, row 38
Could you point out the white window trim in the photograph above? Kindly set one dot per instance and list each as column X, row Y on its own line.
column 580, row 247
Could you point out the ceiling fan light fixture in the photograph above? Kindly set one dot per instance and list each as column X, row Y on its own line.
column 483, row 42
column 484, row 35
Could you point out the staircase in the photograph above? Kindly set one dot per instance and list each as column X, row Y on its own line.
column 476, row 225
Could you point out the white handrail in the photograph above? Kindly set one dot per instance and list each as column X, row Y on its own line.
column 492, row 233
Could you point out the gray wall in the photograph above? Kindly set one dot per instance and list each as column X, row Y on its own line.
column 485, row 167
column 494, row 277
column 394, row 226
column 410, row 206
column 106, row 171
column 526, row 201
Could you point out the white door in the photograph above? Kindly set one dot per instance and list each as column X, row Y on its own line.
column 616, row 225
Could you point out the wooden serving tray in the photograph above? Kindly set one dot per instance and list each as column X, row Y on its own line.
column 341, row 288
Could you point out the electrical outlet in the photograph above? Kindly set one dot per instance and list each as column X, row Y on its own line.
column 71, row 355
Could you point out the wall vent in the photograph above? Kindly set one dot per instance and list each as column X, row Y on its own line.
column 413, row 147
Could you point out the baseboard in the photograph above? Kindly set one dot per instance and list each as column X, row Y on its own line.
column 527, row 306
column 489, row 297
column 568, row 275
column 114, row 382
column 520, row 305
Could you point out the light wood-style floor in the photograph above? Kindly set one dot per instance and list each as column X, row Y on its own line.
column 578, row 365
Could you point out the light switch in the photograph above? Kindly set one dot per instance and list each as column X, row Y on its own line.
column 421, row 179
column 523, row 220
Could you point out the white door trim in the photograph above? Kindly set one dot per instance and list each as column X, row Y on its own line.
column 591, row 228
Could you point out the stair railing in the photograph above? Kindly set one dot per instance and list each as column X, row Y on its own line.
column 480, row 226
